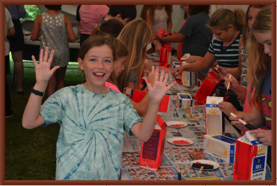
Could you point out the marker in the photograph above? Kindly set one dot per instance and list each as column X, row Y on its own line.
column 179, row 175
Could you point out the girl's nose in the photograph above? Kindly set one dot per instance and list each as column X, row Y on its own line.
column 267, row 49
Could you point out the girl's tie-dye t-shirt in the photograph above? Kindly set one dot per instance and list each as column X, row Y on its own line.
column 90, row 140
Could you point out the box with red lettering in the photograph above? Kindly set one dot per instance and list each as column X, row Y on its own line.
column 151, row 155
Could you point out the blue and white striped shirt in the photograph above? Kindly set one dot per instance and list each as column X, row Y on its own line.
column 226, row 58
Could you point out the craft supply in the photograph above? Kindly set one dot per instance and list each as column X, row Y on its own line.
column 201, row 169
column 179, row 175
column 199, row 165
column 247, row 125
column 227, row 94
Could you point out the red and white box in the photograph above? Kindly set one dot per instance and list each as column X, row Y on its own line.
column 208, row 87
column 165, row 55
column 138, row 95
column 251, row 156
column 151, row 155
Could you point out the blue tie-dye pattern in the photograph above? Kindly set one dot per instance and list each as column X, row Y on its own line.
column 90, row 140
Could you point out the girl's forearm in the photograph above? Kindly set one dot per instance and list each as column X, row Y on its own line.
column 31, row 114
column 241, row 92
column 197, row 66
column 149, row 121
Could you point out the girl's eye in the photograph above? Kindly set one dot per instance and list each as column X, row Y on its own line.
column 249, row 18
column 92, row 59
column 107, row 61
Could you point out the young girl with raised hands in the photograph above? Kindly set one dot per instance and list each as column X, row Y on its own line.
column 92, row 117
column 259, row 77
column 227, row 25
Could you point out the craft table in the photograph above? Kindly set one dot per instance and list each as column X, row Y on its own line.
column 177, row 157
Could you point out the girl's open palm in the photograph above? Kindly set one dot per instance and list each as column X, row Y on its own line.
column 159, row 89
column 43, row 71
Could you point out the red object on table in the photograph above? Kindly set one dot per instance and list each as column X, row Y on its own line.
column 178, row 125
column 165, row 55
column 208, row 87
column 181, row 142
column 151, row 154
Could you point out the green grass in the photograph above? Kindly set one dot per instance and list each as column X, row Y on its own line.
column 31, row 154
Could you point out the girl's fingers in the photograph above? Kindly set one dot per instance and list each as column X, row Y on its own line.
column 148, row 83
column 162, row 74
column 157, row 74
column 45, row 54
column 171, row 85
column 166, row 77
column 54, row 69
column 41, row 56
column 34, row 60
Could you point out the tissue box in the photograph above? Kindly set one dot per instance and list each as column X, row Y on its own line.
column 208, row 87
column 221, row 146
column 165, row 55
column 184, row 100
column 137, row 96
column 151, row 155
column 251, row 155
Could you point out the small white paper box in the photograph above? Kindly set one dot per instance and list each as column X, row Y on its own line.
column 184, row 100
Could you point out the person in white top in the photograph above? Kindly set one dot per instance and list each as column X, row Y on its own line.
column 157, row 17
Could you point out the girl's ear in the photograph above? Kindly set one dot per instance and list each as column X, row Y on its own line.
column 80, row 62
column 118, row 16
column 230, row 26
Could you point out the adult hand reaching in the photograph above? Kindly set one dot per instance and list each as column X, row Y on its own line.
column 43, row 71
column 159, row 89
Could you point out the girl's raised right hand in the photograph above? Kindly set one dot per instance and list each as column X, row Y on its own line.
column 176, row 71
column 43, row 71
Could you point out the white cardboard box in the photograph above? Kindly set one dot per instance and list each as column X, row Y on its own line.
column 184, row 100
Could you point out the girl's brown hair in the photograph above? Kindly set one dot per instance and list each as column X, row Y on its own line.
column 120, row 52
column 136, row 35
column 246, row 30
column 259, row 62
column 168, row 9
column 222, row 18
column 112, row 27
column 95, row 41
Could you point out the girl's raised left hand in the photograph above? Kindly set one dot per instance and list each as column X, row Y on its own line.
column 159, row 89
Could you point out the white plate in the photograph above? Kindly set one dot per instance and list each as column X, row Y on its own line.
column 208, row 162
column 172, row 123
column 171, row 140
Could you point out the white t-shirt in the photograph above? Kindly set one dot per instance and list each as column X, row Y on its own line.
column 160, row 20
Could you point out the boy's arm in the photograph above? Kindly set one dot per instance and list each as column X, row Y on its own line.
column 143, row 130
column 31, row 117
